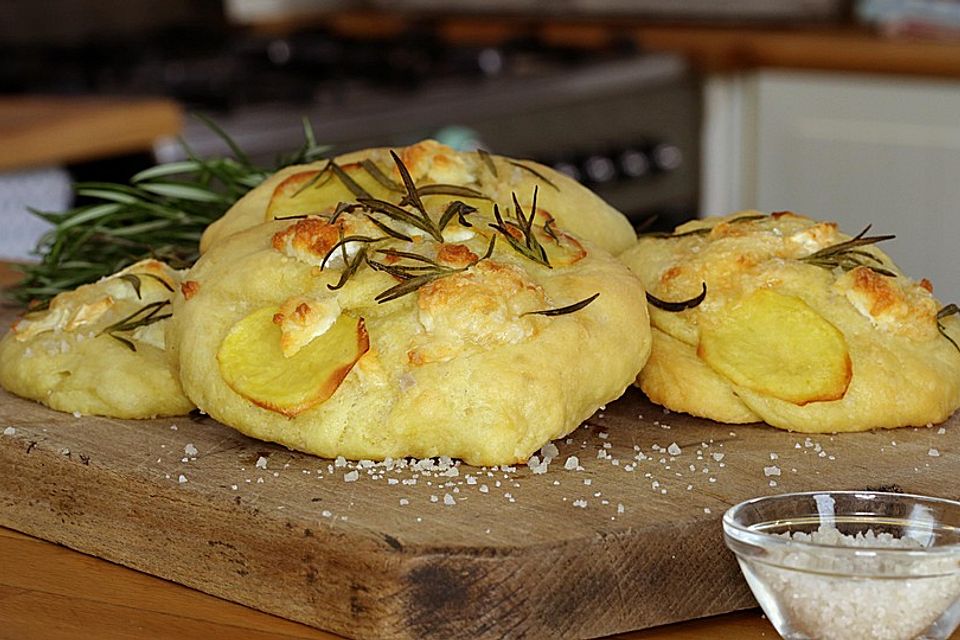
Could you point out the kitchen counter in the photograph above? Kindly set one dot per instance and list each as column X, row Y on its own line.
column 45, row 130
column 711, row 49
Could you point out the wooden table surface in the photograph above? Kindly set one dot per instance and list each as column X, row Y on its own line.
column 50, row 592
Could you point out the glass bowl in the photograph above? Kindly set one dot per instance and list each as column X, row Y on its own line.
column 851, row 564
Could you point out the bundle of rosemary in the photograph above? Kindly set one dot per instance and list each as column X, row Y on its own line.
column 161, row 213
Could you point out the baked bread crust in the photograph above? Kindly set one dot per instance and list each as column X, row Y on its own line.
column 460, row 367
column 904, row 371
column 577, row 210
column 66, row 357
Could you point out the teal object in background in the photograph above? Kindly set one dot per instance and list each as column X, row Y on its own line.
column 460, row 138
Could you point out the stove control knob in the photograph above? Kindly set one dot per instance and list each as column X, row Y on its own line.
column 666, row 157
column 599, row 169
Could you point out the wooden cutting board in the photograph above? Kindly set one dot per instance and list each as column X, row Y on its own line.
column 619, row 542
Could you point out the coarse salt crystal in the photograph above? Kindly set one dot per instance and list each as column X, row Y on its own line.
column 449, row 500
column 674, row 449
column 9, row 431
column 718, row 456
column 77, row 414
column 933, row 453
column 261, row 463
column 580, row 503
column 351, row 476
column 190, row 450
column 484, row 488
column 774, row 456
column 620, row 508
column 404, row 502
column 173, row 427
column 339, row 462
column 571, row 463
column 182, row 479
column 941, row 431
column 773, row 470
column 549, row 451
column 326, row 513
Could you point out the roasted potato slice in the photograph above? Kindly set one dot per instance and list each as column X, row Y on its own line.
column 252, row 363
column 779, row 346
column 319, row 190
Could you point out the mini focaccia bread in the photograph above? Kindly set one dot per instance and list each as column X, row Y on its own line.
column 477, row 179
column 781, row 319
column 99, row 349
column 338, row 337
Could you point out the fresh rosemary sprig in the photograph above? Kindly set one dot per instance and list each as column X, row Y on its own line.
column 682, row 305
column 142, row 317
column 160, row 214
column 561, row 311
column 412, row 277
column 534, row 172
column 697, row 232
column 135, row 282
column 846, row 255
column 949, row 310
column 530, row 247
column 488, row 160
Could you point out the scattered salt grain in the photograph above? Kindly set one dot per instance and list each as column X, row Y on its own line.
column 674, row 449
column 941, row 431
column 404, row 502
column 351, row 476
column 571, row 463
column 77, row 414
column 190, row 450
column 449, row 500
column 934, row 453
column 173, row 427
column 182, row 479
column 774, row 456
column 9, row 431
column 717, row 456
column 261, row 463
column 234, row 487
column 484, row 488
column 549, row 451
column 580, row 503
column 707, row 510
column 339, row 462
column 771, row 471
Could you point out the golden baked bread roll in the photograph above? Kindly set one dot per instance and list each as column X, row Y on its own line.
column 362, row 334
column 318, row 187
column 99, row 349
column 800, row 326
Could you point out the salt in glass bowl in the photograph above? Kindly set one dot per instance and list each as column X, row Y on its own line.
column 851, row 564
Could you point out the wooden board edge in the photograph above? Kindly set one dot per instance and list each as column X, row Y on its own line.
column 361, row 585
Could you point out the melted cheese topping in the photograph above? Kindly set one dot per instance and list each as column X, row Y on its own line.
column 91, row 304
column 310, row 239
column 480, row 307
column 429, row 161
column 894, row 305
column 302, row 320
column 815, row 238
